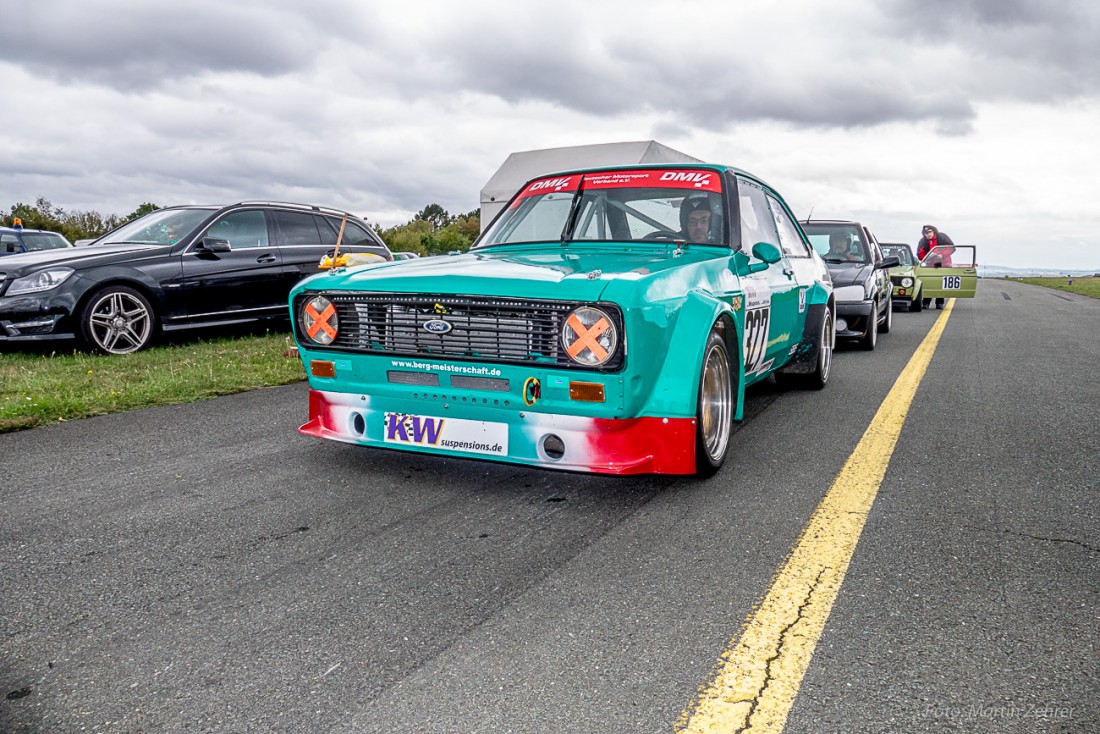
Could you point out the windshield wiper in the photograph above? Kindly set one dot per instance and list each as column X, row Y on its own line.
column 574, row 210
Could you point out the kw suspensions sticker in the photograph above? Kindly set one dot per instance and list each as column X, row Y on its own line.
column 757, row 320
column 450, row 434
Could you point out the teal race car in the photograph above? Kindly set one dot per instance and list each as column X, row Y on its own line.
column 608, row 320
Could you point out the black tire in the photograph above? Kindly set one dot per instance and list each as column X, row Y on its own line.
column 715, row 410
column 888, row 322
column 117, row 320
column 870, row 337
column 823, row 365
column 916, row 305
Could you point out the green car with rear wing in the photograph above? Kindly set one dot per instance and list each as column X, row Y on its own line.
column 608, row 320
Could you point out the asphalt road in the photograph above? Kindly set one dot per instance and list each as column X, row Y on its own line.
column 205, row 568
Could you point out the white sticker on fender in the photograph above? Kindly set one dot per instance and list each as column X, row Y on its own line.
column 757, row 321
column 450, row 434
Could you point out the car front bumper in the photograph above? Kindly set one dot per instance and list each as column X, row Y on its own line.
column 553, row 441
column 36, row 317
column 856, row 317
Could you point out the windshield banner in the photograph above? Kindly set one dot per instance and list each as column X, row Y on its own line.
column 655, row 179
column 695, row 180
column 552, row 185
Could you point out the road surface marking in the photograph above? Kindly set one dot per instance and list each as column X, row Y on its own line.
column 761, row 671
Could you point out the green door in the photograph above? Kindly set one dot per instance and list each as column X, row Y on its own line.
column 949, row 271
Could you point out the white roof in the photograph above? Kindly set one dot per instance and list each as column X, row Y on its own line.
column 519, row 168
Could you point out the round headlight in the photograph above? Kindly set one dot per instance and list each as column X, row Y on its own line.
column 906, row 282
column 588, row 336
column 319, row 320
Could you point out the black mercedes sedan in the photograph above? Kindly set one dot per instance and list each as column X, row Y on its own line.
column 175, row 268
column 861, row 283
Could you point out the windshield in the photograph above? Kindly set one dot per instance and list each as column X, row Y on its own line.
column 838, row 243
column 44, row 241
column 683, row 205
column 162, row 227
column 901, row 252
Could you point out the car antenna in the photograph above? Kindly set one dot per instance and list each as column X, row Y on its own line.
column 811, row 214
column 339, row 238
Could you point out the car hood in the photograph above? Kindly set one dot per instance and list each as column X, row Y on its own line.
column 849, row 274
column 565, row 272
column 79, row 257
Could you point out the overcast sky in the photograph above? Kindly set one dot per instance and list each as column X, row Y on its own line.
column 979, row 116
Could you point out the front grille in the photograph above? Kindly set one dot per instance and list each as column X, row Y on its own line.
column 518, row 331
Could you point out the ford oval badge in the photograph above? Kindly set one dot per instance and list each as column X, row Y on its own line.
column 437, row 326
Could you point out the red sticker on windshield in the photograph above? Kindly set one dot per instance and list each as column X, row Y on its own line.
column 549, row 186
column 697, row 180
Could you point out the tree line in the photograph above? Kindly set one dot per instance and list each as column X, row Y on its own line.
column 433, row 231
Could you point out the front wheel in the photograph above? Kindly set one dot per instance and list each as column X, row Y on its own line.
column 888, row 322
column 714, row 416
column 917, row 304
column 117, row 320
column 870, row 337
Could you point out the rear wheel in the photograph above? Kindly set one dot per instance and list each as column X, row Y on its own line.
column 117, row 320
column 826, row 341
column 714, row 416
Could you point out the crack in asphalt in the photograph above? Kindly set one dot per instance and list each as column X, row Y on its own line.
column 755, row 701
column 1071, row 541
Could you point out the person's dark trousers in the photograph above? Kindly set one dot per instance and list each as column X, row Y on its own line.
column 939, row 303
column 924, row 302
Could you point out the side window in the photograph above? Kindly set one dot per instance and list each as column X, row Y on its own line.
column 9, row 244
column 757, row 223
column 296, row 228
column 354, row 234
column 790, row 239
column 243, row 229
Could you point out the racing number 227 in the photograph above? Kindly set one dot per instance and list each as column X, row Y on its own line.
column 952, row 282
column 756, row 337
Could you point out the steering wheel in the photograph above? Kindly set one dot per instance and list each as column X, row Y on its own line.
column 662, row 234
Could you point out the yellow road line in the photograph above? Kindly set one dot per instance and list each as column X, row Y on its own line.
column 760, row 673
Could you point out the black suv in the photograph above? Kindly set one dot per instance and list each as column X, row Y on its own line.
column 174, row 268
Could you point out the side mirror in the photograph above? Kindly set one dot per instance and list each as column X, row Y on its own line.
column 215, row 244
column 765, row 251
column 888, row 262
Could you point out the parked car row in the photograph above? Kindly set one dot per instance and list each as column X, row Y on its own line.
column 17, row 240
column 176, row 268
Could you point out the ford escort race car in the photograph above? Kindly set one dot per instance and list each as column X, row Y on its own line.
column 606, row 321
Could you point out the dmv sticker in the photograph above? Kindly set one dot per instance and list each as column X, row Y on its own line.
column 450, row 434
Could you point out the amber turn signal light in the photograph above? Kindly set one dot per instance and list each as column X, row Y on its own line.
column 322, row 368
column 589, row 392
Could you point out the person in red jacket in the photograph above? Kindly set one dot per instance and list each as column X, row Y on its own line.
column 930, row 238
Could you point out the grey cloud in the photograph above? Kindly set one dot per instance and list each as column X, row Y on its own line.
column 915, row 62
column 142, row 46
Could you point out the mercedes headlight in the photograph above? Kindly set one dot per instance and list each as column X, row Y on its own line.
column 319, row 320
column 589, row 336
column 907, row 282
column 43, row 280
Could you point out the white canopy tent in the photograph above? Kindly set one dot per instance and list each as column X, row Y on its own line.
column 521, row 167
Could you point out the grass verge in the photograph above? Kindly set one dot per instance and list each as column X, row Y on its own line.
column 1083, row 286
column 41, row 388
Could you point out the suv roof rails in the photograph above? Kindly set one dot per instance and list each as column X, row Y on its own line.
column 295, row 205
